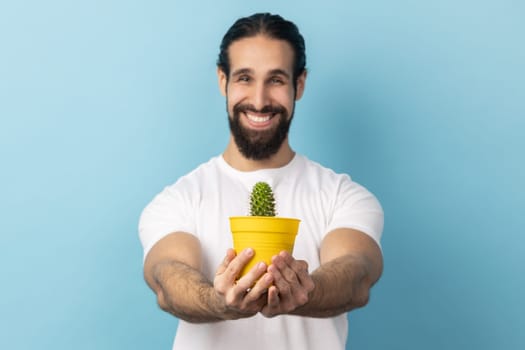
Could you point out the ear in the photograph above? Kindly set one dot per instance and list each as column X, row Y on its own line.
column 301, row 82
column 223, row 81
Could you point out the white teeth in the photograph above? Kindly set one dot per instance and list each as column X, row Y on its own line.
column 257, row 119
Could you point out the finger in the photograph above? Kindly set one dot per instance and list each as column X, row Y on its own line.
column 273, row 297
column 283, row 286
column 261, row 287
column 250, row 289
column 236, row 265
column 301, row 267
column 287, row 257
column 272, row 306
column 248, row 281
column 285, row 263
column 230, row 255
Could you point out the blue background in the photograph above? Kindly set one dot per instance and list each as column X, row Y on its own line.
column 103, row 103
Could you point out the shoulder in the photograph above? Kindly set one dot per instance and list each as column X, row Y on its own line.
column 198, row 176
column 318, row 174
column 334, row 184
column 187, row 188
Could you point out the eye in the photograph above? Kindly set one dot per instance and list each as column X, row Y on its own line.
column 276, row 81
column 243, row 78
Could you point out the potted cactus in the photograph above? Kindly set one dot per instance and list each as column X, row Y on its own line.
column 262, row 200
column 262, row 230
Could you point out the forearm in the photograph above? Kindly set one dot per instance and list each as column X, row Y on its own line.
column 341, row 285
column 184, row 292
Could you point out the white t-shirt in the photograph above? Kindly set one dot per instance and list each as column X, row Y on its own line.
column 202, row 202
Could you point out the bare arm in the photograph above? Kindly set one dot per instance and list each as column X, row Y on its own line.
column 351, row 262
column 173, row 271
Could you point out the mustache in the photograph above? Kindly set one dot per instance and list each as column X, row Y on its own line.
column 243, row 108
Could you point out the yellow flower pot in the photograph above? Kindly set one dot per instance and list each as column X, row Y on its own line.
column 266, row 235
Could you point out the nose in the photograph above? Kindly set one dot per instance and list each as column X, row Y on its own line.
column 260, row 97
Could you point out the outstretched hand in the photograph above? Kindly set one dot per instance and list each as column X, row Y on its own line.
column 292, row 285
column 246, row 296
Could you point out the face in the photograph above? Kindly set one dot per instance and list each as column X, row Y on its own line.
column 260, row 94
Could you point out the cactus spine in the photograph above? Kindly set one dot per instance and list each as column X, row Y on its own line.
column 262, row 201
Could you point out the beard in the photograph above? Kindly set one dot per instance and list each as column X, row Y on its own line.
column 259, row 144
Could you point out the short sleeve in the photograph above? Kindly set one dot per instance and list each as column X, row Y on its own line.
column 170, row 211
column 357, row 208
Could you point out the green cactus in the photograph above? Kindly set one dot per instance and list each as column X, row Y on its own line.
column 262, row 201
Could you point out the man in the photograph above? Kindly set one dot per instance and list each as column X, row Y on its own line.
column 297, row 302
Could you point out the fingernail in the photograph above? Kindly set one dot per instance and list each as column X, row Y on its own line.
column 248, row 251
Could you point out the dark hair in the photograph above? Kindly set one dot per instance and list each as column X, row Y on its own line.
column 273, row 26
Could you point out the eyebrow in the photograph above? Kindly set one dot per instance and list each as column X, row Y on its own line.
column 280, row 72
column 242, row 71
column 276, row 71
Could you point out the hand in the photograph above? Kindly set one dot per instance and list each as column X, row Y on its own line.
column 246, row 296
column 292, row 285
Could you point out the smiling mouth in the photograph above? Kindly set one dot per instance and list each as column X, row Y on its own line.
column 258, row 118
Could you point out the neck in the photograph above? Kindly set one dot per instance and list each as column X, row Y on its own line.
column 238, row 161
